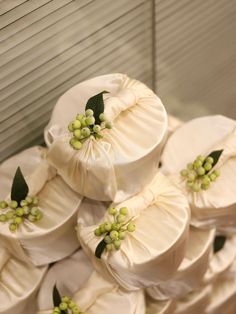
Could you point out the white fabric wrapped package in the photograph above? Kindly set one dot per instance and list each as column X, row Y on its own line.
column 69, row 275
column 54, row 236
column 93, row 293
column 159, row 307
column 19, row 283
column 121, row 163
column 189, row 275
column 217, row 205
column 155, row 250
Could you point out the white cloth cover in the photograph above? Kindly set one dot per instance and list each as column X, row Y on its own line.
column 69, row 275
column 121, row 163
column 221, row 261
column 173, row 124
column 216, row 206
column 194, row 302
column 53, row 237
column 223, row 295
column 98, row 296
column 190, row 273
column 159, row 307
column 155, row 250
column 19, row 283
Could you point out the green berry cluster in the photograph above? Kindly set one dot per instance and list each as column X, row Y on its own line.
column 16, row 213
column 66, row 306
column 199, row 174
column 115, row 232
column 84, row 126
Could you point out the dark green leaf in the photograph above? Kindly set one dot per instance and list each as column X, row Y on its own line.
column 96, row 103
column 215, row 155
column 56, row 296
column 219, row 243
column 100, row 248
column 19, row 189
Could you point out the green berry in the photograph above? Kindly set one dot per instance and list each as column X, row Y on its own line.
column 75, row 310
column 39, row 216
column 197, row 163
column 85, row 132
column 32, row 218
column 89, row 112
column 112, row 211
column 18, row 220
column 10, row 214
column 184, row 173
column 115, row 226
column 207, row 166
column 107, row 226
column 3, row 218
column 192, row 175
column 80, row 116
column 90, row 120
column 117, row 244
column 23, row 203
column 200, row 171
column 13, row 204
column 124, row 211
column 77, row 134
column 26, row 210
column 216, row 173
column 189, row 183
column 114, row 234
column 210, row 160
column 196, row 187
column 56, row 311
column 212, row 177
column 19, row 211
column 76, row 124
column 120, row 218
column 96, row 128
column 201, row 158
column 13, row 227
column 108, row 239
column 108, row 125
column 121, row 235
column 83, row 122
column 63, row 306
column 77, row 145
column 97, row 232
column 102, row 228
column 72, row 304
column 65, row 299
column 3, row 204
column 206, row 180
column 131, row 227
column 29, row 199
column 102, row 117
column 70, row 127
column 205, row 186
column 109, row 247
column 190, row 166
column 34, row 211
column 35, row 200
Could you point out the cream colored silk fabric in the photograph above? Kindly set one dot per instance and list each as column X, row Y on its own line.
column 53, row 237
column 190, row 273
column 18, row 284
column 155, row 250
column 216, row 206
column 159, row 307
column 121, row 163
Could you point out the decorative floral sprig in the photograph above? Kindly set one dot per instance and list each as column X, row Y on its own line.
column 64, row 305
column 114, row 232
column 200, row 173
column 90, row 123
column 22, row 206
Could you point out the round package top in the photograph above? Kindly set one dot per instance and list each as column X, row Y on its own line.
column 124, row 160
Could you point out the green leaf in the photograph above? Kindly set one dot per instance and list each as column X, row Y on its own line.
column 19, row 189
column 56, row 296
column 100, row 248
column 96, row 103
column 215, row 155
column 219, row 242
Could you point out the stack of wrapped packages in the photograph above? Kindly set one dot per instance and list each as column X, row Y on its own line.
column 127, row 210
